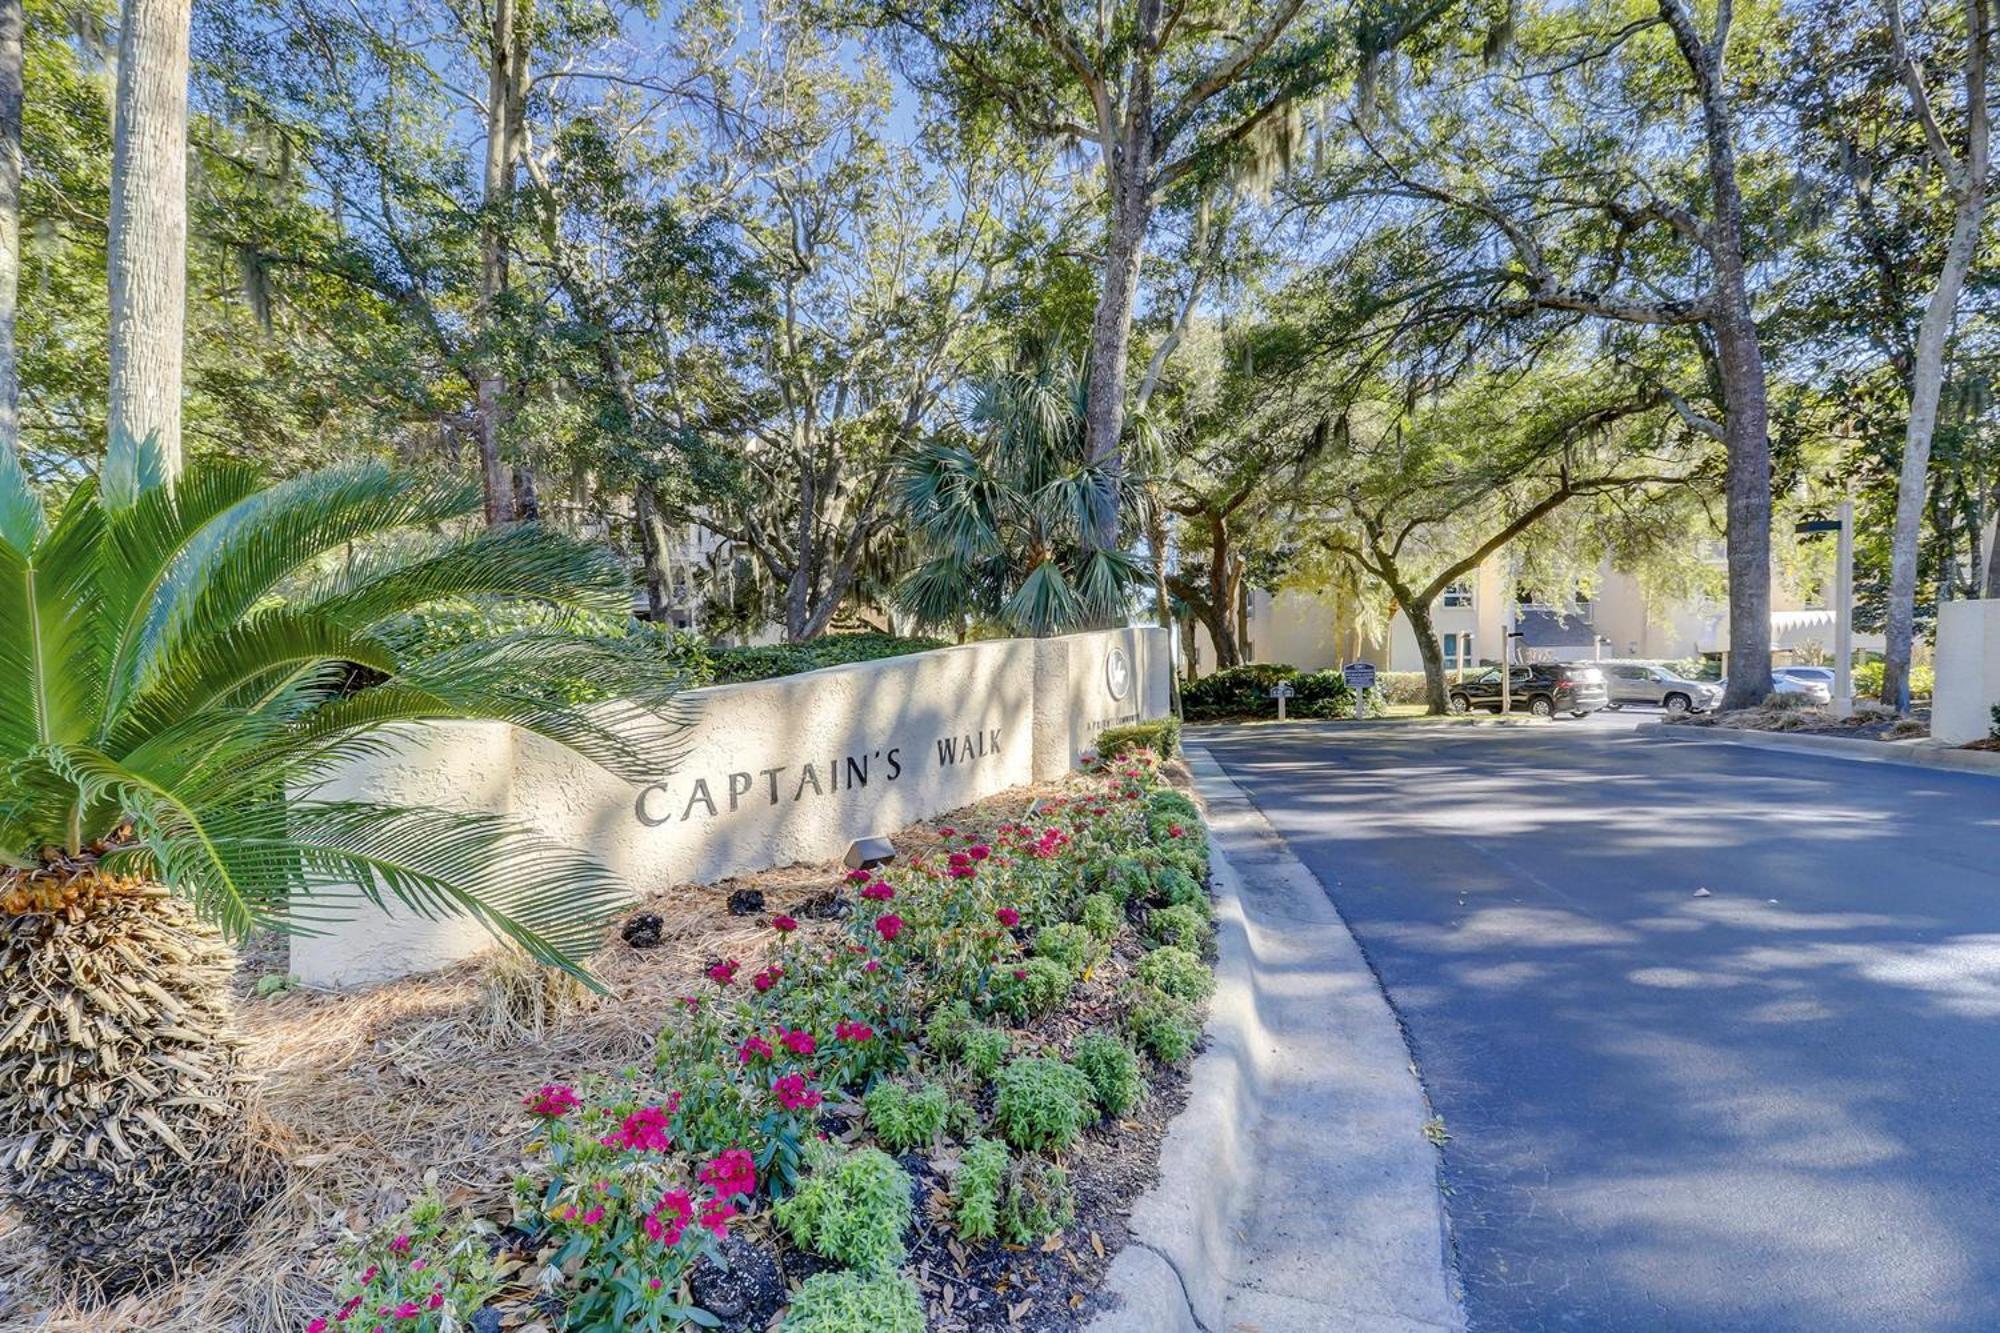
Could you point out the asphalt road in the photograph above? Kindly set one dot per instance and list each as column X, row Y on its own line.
column 1773, row 1106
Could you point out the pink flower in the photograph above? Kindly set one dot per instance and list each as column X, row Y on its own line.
column 654, row 1284
column 855, row 1033
column 857, row 876
column 677, row 1205
column 979, row 851
column 317, row 1325
column 879, row 892
column 889, row 927
column 1020, row 974
column 716, row 1217
column 400, row 1245
column 947, row 832
column 794, row 1095
column 724, row 972
column 436, row 1302
column 552, row 1101
column 369, row 1276
column 754, row 1048
column 959, row 860
column 645, row 1130
column 594, row 1216
column 1008, row 917
column 800, row 1043
column 966, row 871
column 784, row 924
column 733, row 1173
column 766, row 979
column 871, row 965
column 1175, row 831
column 408, row 1310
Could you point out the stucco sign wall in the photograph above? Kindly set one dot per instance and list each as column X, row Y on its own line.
column 773, row 772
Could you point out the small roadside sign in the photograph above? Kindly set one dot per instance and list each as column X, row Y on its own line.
column 1282, row 691
column 1359, row 676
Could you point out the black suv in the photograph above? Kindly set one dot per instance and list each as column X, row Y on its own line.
column 1543, row 688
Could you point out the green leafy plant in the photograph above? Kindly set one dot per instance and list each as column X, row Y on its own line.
column 1039, row 1202
column 986, row 1049
column 786, row 659
column 1176, row 972
column 1175, row 887
column 903, row 1118
column 852, row 1207
column 1166, row 1028
column 948, row 1027
column 851, row 1302
column 1112, row 1068
column 1043, row 1103
column 977, row 1187
column 1182, row 924
column 1126, row 877
column 1031, row 987
column 181, row 667
column 1100, row 916
column 1070, row 945
column 1161, row 738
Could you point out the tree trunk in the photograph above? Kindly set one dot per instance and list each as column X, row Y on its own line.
column 652, row 551
column 10, row 219
column 1746, row 408
column 1432, row 653
column 1111, row 325
column 1927, row 365
column 506, row 80
column 147, row 233
column 1220, row 613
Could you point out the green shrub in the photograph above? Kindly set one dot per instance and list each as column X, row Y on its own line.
column 1162, row 737
column 852, row 1207
column 1112, row 1068
column 985, row 1050
column 976, row 1189
column 1042, row 1104
column 788, row 659
column 1033, row 987
column 1100, row 916
column 1867, row 681
column 1175, row 887
column 1123, row 877
column 1400, row 687
column 1182, row 924
column 1320, row 694
column 856, row 1303
column 1176, row 972
column 1242, row 691
column 1039, row 1202
column 948, row 1027
column 1164, row 1027
column 903, row 1119
column 1995, row 732
column 1071, row 945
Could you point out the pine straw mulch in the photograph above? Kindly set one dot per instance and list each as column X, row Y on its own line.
column 1868, row 721
column 379, row 1095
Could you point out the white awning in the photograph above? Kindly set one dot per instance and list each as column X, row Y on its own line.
column 1785, row 621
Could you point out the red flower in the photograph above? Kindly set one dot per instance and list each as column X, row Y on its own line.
column 1175, row 831
column 1008, row 917
column 979, row 851
column 645, row 1130
column 872, row 965
column 793, row 1093
column 674, row 1204
column 784, row 924
column 724, row 972
column 947, row 832
column 853, row 1032
column 958, row 859
column 754, row 1048
column 400, row 1245
column 552, row 1101
column 879, row 892
column 800, row 1043
column 1020, row 974
column 733, row 1173
column 857, row 876
column 716, row 1217
column 966, row 871
column 889, row 927
column 768, row 978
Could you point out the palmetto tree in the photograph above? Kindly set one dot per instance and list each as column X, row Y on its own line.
column 1004, row 521
column 179, row 667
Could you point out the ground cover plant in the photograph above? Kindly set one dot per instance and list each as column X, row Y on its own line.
column 740, row 1117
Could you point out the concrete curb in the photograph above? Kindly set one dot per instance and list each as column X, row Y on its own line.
column 1297, row 1191
column 1909, row 754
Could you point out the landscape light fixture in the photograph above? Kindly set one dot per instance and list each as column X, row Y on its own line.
column 869, row 852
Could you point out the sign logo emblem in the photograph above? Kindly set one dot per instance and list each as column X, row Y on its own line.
column 1117, row 673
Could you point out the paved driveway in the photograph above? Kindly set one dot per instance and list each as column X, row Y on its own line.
column 1773, row 1106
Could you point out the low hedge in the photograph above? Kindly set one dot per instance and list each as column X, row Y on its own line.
column 1161, row 737
column 732, row 665
column 1245, row 691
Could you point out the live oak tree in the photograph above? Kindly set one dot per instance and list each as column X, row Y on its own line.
column 1163, row 93
column 1565, row 179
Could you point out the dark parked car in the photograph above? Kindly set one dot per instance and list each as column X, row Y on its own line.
column 1543, row 688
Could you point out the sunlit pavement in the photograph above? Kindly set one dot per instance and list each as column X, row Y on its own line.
column 1775, row 1105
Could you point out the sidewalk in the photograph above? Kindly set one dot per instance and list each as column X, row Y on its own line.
column 1298, row 1191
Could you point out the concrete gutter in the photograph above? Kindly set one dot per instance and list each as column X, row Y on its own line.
column 1298, row 1192
column 1911, row 754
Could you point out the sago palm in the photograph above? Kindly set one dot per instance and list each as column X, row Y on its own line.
column 1003, row 520
column 180, row 667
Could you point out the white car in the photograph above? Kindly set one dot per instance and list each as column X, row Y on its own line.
column 1784, row 683
column 1645, row 683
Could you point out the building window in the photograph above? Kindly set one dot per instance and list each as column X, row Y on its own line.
column 1458, row 594
column 1457, row 651
column 1451, row 650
